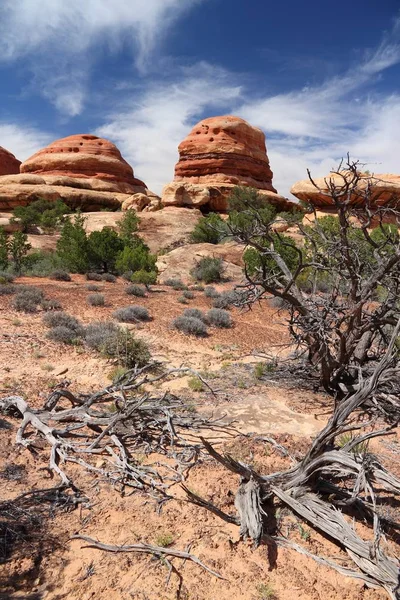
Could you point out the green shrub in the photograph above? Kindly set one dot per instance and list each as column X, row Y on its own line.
column 73, row 246
column 27, row 299
column 95, row 300
column 188, row 295
column 210, row 229
column 60, row 275
column 176, row 284
column 131, row 314
column 4, row 249
column 104, row 248
column 190, row 326
column 6, row 277
column 195, row 384
column 19, row 247
column 135, row 290
column 47, row 214
column 183, row 300
column 219, row 318
column 41, row 264
column 137, row 258
column 208, row 269
column 128, row 227
column 147, row 278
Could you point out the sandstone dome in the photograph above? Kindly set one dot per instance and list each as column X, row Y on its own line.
column 84, row 155
column 85, row 171
column 218, row 154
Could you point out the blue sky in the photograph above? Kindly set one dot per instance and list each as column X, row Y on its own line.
column 320, row 78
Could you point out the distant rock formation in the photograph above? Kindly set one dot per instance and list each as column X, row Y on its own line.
column 218, row 154
column 9, row 165
column 85, row 171
column 385, row 190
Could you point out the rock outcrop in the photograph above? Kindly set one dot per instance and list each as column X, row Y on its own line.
column 161, row 230
column 179, row 262
column 85, row 171
column 218, row 154
column 9, row 165
column 385, row 190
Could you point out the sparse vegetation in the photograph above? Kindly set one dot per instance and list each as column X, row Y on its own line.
column 176, row 284
column 109, row 277
column 227, row 299
column 61, row 334
column 7, row 289
column 164, row 539
column 62, row 319
column 195, row 384
column 194, row 312
column 208, row 269
column 94, row 276
column 189, row 295
column 95, row 300
column 210, row 229
column 183, row 300
column 190, row 326
column 27, row 299
column 135, row 290
column 60, row 275
column 117, row 343
column 131, row 314
column 219, row 318
column 211, row 292
column 51, row 304
column 92, row 287
column 265, row 591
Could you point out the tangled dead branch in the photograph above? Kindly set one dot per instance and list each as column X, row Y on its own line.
column 112, row 432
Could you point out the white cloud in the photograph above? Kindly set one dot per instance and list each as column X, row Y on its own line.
column 148, row 133
column 22, row 141
column 61, row 39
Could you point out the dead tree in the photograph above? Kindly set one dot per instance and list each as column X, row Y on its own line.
column 333, row 478
column 341, row 287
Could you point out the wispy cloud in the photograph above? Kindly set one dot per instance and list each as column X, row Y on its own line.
column 61, row 39
column 158, row 118
column 21, row 140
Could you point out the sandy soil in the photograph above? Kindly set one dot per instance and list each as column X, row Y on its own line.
column 49, row 565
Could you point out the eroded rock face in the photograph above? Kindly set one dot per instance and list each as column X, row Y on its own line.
column 9, row 165
column 85, row 171
column 218, row 154
column 82, row 156
column 179, row 262
column 227, row 150
column 385, row 190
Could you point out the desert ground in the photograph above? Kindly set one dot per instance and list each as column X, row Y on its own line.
column 42, row 561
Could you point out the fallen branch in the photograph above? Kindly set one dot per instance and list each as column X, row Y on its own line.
column 157, row 551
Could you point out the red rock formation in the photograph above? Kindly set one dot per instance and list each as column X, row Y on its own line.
column 85, row 171
column 225, row 150
column 9, row 165
column 82, row 156
column 384, row 189
column 218, row 154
